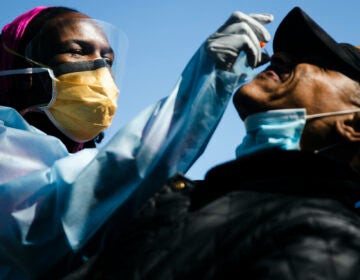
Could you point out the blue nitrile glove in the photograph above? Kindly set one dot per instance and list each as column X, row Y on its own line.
column 239, row 32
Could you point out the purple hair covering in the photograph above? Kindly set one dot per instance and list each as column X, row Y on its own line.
column 11, row 36
column 12, row 33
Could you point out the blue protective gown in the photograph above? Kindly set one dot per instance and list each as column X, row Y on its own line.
column 52, row 202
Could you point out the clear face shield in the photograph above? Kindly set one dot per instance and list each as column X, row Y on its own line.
column 68, row 40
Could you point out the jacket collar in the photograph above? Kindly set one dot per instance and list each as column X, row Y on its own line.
column 288, row 172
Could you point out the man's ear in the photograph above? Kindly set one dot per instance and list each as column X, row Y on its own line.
column 349, row 127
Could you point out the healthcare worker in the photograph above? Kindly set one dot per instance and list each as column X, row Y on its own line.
column 58, row 95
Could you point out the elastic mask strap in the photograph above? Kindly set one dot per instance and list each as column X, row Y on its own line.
column 26, row 58
column 330, row 147
column 320, row 115
column 24, row 71
column 33, row 71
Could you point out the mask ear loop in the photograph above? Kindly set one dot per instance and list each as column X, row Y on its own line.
column 40, row 69
column 324, row 149
column 320, row 115
column 53, row 91
column 29, row 71
column 42, row 108
column 23, row 71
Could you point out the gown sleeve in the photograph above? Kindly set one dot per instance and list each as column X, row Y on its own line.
column 53, row 202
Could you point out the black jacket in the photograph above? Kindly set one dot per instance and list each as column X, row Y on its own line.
column 275, row 215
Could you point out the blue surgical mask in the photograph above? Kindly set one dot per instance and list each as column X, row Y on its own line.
column 277, row 129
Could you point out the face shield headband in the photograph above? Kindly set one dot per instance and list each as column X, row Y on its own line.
column 89, row 32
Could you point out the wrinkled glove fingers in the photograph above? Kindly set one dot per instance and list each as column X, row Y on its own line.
column 229, row 46
column 238, row 36
column 242, row 29
column 262, row 18
column 239, row 32
column 255, row 21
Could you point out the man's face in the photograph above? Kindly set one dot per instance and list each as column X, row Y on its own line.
column 290, row 84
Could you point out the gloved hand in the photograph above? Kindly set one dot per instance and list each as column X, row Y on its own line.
column 239, row 32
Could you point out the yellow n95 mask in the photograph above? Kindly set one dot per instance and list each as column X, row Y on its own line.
column 84, row 99
column 79, row 98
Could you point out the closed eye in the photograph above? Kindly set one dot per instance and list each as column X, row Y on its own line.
column 82, row 49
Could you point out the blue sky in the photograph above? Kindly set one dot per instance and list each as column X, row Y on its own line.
column 164, row 34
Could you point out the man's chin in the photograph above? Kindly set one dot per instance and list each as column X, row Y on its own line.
column 248, row 99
